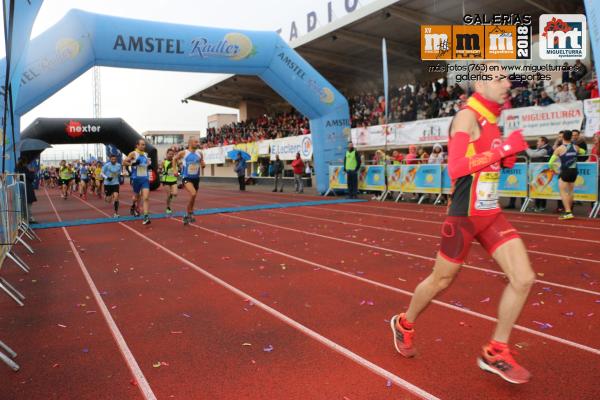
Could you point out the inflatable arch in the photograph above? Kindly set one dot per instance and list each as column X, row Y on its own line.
column 81, row 40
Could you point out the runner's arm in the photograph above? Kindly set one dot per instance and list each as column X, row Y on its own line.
column 459, row 164
column 127, row 161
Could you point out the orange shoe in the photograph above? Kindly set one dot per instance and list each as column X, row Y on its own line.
column 502, row 364
column 403, row 337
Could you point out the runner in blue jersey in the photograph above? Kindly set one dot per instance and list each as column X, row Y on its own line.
column 567, row 152
column 84, row 174
column 192, row 162
column 140, row 179
column 111, row 172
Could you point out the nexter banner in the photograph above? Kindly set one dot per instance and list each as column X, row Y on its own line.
column 423, row 178
column 372, row 177
column 543, row 182
column 513, row 182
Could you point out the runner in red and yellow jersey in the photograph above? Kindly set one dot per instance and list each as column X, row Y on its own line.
column 476, row 155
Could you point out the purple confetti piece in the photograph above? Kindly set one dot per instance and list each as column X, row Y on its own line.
column 585, row 275
column 597, row 301
column 360, row 273
column 487, row 299
column 86, row 350
column 569, row 314
column 547, row 289
column 268, row 348
column 362, row 303
column 186, row 315
column 388, row 383
column 543, row 325
column 370, row 303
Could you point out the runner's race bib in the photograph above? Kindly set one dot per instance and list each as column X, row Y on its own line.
column 193, row 169
column 487, row 191
column 141, row 171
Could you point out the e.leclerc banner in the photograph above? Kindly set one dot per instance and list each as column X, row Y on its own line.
column 544, row 120
column 446, row 181
column 337, row 177
column 543, row 182
column 372, row 177
column 394, row 173
column 422, row 178
column 513, row 181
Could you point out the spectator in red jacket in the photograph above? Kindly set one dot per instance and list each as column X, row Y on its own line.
column 298, row 167
column 592, row 87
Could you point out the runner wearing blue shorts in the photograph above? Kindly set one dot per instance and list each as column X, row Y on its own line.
column 139, row 162
column 192, row 161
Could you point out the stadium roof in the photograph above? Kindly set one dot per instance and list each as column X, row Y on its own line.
column 347, row 51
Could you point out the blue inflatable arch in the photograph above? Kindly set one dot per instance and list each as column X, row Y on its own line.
column 82, row 40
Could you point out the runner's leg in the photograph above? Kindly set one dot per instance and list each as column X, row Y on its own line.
column 443, row 274
column 512, row 258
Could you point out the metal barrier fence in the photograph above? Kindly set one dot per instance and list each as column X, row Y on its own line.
column 525, row 180
column 14, row 227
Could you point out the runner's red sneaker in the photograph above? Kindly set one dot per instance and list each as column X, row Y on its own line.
column 402, row 337
column 502, row 363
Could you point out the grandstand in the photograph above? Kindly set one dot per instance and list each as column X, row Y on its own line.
column 354, row 67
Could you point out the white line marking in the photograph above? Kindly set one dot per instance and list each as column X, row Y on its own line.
column 375, row 283
column 142, row 383
column 404, row 253
column 519, row 220
column 289, row 321
column 330, row 207
column 416, row 233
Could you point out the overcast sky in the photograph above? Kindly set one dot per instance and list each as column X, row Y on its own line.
column 150, row 100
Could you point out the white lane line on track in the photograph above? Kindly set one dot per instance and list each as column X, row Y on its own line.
column 404, row 253
column 130, row 360
column 289, row 321
column 399, row 207
column 521, row 232
column 518, row 220
column 382, row 285
column 486, row 270
column 419, row 234
column 566, row 257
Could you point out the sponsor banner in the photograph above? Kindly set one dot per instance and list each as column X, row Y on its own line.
column 227, row 149
column 289, row 146
column 547, row 120
column 372, row 177
column 446, row 181
column 513, row 181
column 337, row 177
column 543, row 182
column 591, row 108
column 369, row 136
column 394, row 173
column 252, row 149
column 425, row 131
column 214, row 155
column 421, row 178
column 264, row 147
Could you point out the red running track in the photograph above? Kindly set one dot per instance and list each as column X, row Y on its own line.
column 314, row 265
